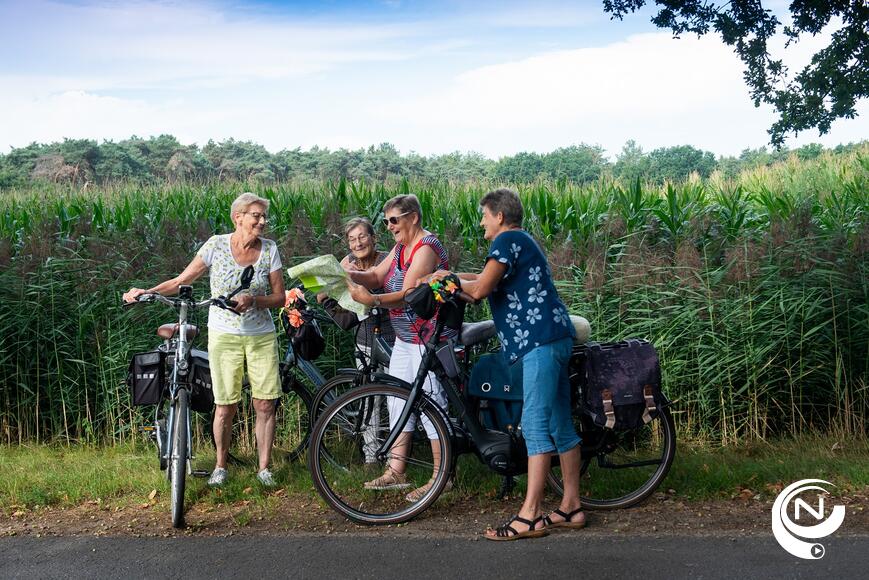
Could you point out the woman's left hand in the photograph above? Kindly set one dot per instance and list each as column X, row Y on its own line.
column 245, row 302
column 360, row 294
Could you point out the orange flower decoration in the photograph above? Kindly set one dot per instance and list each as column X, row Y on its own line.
column 293, row 295
column 295, row 318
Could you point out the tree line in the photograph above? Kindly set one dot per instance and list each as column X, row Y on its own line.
column 165, row 159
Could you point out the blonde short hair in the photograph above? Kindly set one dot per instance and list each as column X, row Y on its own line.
column 244, row 201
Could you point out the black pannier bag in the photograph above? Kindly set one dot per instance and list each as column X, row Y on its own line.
column 622, row 384
column 202, row 397
column 146, row 377
column 498, row 387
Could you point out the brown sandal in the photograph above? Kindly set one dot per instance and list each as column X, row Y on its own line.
column 548, row 523
column 507, row 532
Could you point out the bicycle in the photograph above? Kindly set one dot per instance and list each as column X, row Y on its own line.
column 175, row 362
column 631, row 466
column 303, row 403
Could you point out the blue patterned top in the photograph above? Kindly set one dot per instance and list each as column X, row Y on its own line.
column 525, row 305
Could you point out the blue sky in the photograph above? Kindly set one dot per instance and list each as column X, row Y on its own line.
column 491, row 77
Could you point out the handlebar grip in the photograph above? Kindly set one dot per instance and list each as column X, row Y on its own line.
column 466, row 297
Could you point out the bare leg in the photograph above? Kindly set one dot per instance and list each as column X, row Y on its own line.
column 538, row 468
column 265, row 430
column 400, row 451
column 570, row 461
column 222, row 428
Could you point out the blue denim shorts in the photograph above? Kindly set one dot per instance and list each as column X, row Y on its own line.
column 546, row 422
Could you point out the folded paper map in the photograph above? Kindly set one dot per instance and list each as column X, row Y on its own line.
column 325, row 274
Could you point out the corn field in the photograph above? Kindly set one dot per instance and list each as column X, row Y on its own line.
column 754, row 290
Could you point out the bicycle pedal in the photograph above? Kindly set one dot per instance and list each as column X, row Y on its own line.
column 147, row 428
column 201, row 473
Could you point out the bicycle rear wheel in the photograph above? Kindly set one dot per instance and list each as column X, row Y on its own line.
column 331, row 391
column 178, row 461
column 293, row 420
column 619, row 469
column 348, row 433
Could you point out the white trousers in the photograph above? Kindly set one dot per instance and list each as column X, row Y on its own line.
column 404, row 365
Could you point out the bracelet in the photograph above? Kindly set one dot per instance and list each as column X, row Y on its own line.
column 254, row 302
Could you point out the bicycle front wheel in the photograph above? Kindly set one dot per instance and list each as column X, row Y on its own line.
column 619, row 469
column 344, row 466
column 178, row 461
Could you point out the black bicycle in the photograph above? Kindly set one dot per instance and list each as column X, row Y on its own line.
column 619, row 469
column 176, row 377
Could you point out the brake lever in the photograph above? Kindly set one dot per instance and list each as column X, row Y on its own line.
column 222, row 302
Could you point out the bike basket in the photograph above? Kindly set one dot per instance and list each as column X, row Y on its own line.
column 307, row 339
column 622, row 389
column 498, row 388
column 202, row 397
column 146, row 377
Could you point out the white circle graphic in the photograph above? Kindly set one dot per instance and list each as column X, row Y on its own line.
column 788, row 534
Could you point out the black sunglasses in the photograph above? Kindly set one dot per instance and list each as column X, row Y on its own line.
column 394, row 219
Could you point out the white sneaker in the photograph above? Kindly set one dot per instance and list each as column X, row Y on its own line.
column 218, row 477
column 266, row 478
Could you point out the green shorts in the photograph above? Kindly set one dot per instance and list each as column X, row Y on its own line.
column 227, row 354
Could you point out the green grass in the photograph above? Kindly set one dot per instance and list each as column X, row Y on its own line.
column 40, row 475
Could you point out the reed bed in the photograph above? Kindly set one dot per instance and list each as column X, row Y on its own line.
column 754, row 290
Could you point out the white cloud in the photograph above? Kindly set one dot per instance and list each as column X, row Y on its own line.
column 198, row 72
column 651, row 88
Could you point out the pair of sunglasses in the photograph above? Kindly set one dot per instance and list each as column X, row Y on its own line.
column 394, row 219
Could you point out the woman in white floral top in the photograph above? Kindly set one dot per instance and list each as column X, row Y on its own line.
column 236, row 342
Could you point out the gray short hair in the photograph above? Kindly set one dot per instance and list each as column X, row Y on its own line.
column 507, row 202
column 358, row 222
column 244, row 201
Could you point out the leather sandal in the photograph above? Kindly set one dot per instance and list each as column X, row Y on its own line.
column 507, row 533
column 566, row 523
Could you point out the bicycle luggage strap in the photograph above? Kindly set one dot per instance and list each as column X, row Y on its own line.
column 650, row 403
column 608, row 409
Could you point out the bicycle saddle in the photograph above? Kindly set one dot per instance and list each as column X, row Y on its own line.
column 167, row 331
column 474, row 332
column 582, row 328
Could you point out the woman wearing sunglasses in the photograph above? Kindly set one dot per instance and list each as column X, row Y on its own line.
column 417, row 253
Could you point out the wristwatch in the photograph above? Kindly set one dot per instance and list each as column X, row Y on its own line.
column 376, row 301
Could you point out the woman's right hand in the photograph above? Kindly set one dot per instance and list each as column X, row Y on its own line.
column 131, row 295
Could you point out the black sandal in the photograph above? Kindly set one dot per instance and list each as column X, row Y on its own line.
column 548, row 523
column 507, row 532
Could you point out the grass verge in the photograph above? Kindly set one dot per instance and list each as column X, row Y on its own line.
column 36, row 476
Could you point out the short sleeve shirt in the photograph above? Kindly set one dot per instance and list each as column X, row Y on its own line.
column 525, row 305
column 407, row 325
column 225, row 276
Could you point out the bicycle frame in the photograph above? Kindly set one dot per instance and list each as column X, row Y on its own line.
column 417, row 398
column 179, row 380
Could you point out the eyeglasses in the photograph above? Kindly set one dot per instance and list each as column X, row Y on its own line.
column 394, row 219
column 361, row 239
column 257, row 216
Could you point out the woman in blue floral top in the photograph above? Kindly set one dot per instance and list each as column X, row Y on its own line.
column 534, row 327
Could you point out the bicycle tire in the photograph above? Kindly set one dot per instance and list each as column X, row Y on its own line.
column 654, row 442
column 293, row 414
column 331, row 391
column 178, row 461
column 337, row 457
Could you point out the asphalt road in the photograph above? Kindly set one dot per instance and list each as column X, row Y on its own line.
column 564, row 555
